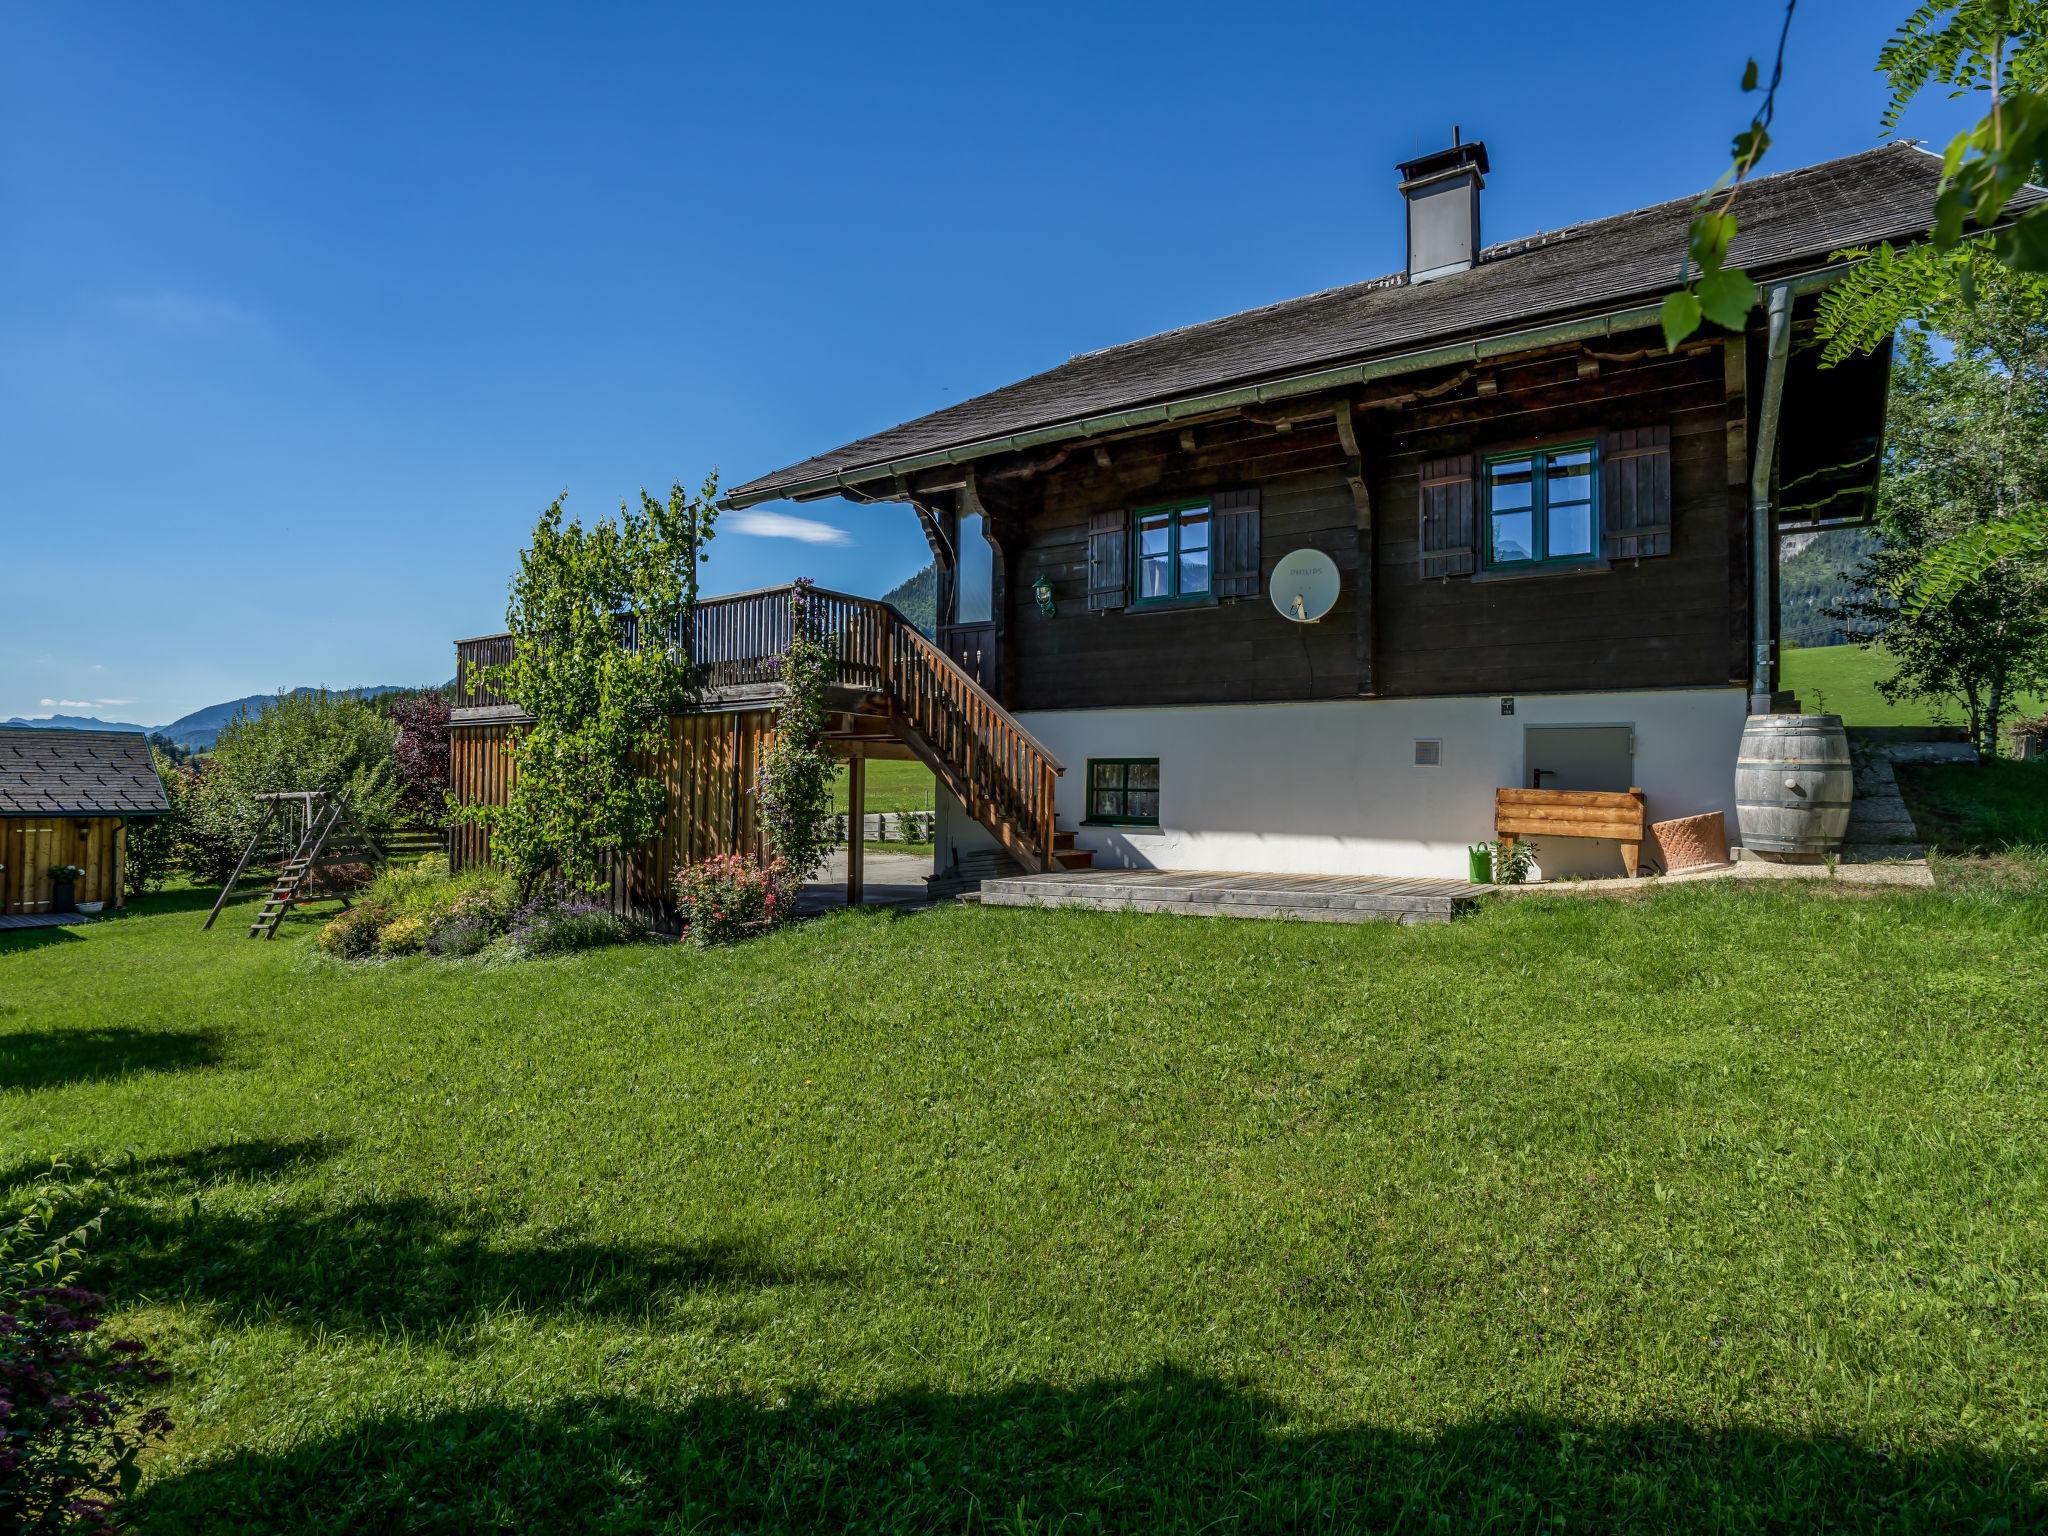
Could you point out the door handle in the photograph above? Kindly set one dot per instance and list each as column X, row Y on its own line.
column 1538, row 775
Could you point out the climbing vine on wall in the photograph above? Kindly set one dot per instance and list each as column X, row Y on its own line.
column 796, row 776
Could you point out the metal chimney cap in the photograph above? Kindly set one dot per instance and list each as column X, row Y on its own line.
column 1456, row 158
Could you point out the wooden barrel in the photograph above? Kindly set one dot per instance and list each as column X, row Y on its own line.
column 1793, row 785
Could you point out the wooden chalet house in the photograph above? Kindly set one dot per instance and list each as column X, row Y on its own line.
column 1554, row 543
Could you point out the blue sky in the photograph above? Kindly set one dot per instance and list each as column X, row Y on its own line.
column 305, row 312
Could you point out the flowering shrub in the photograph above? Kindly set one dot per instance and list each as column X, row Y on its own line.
column 723, row 898
column 422, row 908
column 402, row 936
column 353, row 934
column 71, row 1416
column 559, row 921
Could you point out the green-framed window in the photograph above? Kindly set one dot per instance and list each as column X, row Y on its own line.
column 1542, row 507
column 1123, row 791
column 1170, row 552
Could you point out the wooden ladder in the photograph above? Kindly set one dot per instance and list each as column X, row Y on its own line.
column 284, row 892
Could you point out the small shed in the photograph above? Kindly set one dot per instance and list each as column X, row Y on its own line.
column 65, row 798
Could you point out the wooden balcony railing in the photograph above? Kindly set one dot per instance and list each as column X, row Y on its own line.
column 998, row 769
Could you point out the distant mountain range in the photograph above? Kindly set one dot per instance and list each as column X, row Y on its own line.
column 198, row 731
column 1814, row 571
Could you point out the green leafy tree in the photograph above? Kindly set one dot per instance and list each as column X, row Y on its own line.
column 796, row 775
column 599, row 618
column 298, row 741
column 154, row 841
column 1966, row 446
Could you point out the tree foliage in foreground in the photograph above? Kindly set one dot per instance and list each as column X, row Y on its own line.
column 1997, row 49
column 598, row 618
column 1966, row 446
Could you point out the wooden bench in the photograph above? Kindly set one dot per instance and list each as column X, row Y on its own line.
column 1618, row 814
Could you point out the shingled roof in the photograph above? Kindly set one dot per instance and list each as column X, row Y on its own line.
column 77, row 773
column 1789, row 222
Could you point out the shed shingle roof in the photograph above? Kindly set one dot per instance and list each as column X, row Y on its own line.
column 77, row 773
column 1790, row 220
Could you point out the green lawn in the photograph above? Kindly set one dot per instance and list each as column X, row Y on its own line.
column 1723, row 1210
column 1842, row 680
column 891, row 786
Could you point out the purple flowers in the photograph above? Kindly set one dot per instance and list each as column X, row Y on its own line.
column 69, row 1426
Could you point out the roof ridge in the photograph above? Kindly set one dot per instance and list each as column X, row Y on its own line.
column 1497, row 251
column 1566, row 231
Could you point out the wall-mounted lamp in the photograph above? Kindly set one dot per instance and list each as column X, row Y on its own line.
column 1042, row 590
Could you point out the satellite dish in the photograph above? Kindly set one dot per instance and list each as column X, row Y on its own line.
column 1304, row 585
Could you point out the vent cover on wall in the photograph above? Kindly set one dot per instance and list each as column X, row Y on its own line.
column 1428, row 754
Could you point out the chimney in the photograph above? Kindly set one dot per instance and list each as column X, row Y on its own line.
column 1442, row 193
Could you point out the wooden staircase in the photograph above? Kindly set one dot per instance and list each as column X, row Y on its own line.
column 999, row 772
column 995, row 768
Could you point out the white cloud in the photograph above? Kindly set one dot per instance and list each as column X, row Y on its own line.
column 114, row 702
column 67, row 703
column 780, row 525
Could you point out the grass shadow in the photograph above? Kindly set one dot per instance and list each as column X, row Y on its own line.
column 376, row 1264
column 58, row 1058
column 1166, row 1451
column 17, row 940
column 175, row 1174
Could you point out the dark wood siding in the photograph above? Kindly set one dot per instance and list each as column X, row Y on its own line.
column 1209, row 653
column 1662, row 622
column 1667, row 621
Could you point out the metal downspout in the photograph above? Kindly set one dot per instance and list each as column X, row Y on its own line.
column 1762, row 458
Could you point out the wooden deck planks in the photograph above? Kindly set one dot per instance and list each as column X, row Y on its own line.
column 1313, row 898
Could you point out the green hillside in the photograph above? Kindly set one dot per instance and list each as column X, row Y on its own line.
column 1842, row 680
column 917, row 599
column 1818, row 570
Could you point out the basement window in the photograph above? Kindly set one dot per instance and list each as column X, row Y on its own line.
column 1542, row 507
column 1170, row 547
column 1123, row 792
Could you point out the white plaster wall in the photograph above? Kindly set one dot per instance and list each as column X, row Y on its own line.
column 1333, row 787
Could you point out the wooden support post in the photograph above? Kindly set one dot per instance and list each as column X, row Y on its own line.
column 1735, row 401
column 856, row 815
column 1361, row 505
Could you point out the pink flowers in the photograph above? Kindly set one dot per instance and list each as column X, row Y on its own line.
column 729, row 895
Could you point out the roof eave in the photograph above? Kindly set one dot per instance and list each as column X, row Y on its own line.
column 1631, row 317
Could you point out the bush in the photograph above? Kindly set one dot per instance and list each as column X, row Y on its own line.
column 307, row 740
column 460, row 936
column 402, row 936
column 71, row 1417
column 564, row 920
column 353, row 935
column 727, row 897
column 421, row 908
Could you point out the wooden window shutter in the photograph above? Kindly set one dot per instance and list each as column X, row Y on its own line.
column 1448, row 521
column 1635, row 492
column 1109, row 561
column 1235, row 534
